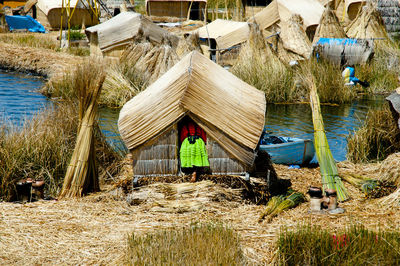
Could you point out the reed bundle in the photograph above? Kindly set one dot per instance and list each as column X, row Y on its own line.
column 372, row 188
column 82, row 173
column 188, row 44
column 389, row 169
column 329, row 26
column 294, row 37
column 328, row 168
column 278, row 204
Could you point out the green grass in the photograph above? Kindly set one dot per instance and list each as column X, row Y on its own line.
column 312, row 245
column 207, row 244
column 377, row 138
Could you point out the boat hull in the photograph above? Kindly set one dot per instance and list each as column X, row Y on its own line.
column 297, row 151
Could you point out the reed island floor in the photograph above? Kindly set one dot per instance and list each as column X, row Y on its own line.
column 94, row 229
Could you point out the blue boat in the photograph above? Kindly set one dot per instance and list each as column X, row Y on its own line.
column 286, row 150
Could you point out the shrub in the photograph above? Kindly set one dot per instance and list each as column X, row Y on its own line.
column 356, row 245
column 198, row 245
column 377, row 138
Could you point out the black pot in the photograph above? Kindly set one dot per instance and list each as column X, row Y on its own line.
column 315, row 192
column 330, row 193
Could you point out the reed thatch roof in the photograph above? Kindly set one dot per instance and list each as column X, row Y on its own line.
column 121, row 29
column 226, row 33
column 281, row 10
column 47, row 5
column 368, row 24
column 353, row 7
column 228, row 109
column 294, row 37
column 329, row 26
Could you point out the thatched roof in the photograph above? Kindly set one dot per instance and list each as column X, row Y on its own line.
column 226, row 33
column 368, row 24
column 294, row 37
column 121, row 29
column 329, row 26
column 281, row 10
column 228, row 109
column 353, row 7
column 47, row 5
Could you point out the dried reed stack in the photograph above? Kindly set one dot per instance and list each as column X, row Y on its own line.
column 328, row 168
column 82, row 174
column 389, row 169
column 369, row 25
column 294, row 37
column 329, row 26
column 188, row 44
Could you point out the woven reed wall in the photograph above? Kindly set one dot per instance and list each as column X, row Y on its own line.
column 171, row 9
column 94, row 45
column 220, row 161
column 159, row 157
column 390, row 12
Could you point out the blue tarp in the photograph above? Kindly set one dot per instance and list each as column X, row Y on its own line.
column 336, row 41
column 24, row 22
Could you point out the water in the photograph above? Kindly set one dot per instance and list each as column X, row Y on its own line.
column 19, row 99
column 295, row 120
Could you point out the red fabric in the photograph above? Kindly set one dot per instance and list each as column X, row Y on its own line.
column 192, row 129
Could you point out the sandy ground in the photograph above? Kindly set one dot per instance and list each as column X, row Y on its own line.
column 93, row 230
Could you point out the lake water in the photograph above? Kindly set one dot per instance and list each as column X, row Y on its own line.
column 19, row 100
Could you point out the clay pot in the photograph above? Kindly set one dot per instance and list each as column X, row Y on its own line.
column 24, row 190
column 315, row 192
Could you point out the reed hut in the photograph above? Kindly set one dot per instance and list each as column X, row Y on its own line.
column 49, row 14
column 270, row 17
column 191, row 9
column 231, row 112
column 347, row 10
column 329, row 26
column 112, row 37
column 220, row 36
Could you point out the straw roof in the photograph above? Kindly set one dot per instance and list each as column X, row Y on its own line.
column 121, row 29
column 329, row 26
column 226, row 33
column 47, row 5
column 294, row 37
column 368, row 24
column 281, row 10
column 228, row 109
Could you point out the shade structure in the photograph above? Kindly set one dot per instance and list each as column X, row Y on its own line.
column 281, row 10
column 226, row 33
column 294, row 37
column 121, row 29
column 229, row 110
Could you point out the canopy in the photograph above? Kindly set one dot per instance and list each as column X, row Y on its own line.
column 228, row 109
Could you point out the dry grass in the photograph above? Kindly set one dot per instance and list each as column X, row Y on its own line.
column 94, row 230
column 33, row 40
column 376, row 139
column 206, row 244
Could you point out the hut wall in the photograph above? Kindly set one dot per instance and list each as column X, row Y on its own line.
column 42, row 18
column 353, row 9
column 172, row 9
column 390, row 12
column 158, row 157
column 221, row 162
column 94, row 45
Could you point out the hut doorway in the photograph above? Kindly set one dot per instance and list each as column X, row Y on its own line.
column 195, row 11
column 192, row 148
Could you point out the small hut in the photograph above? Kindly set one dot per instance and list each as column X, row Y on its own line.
column 347, row 10
column 222, row 35
column 231, row 112
column 112, row 37
column 191, row 9
column 49, row 13
column 270, row 17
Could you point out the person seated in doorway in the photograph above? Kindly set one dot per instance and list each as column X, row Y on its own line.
column 193, row 152
column 349, row 77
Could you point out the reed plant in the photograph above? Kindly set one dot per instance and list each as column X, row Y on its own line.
column 40, row 150
column 356, row 245
column 34, row 40
column 377, row 138
column 206, row 244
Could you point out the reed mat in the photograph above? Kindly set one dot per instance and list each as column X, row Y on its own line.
column 94, row 229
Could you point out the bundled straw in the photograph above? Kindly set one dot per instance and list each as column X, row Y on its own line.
column 82, row 175
column 279, row 204
column 328, row 168
column 372, row 188
column 329, row 26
